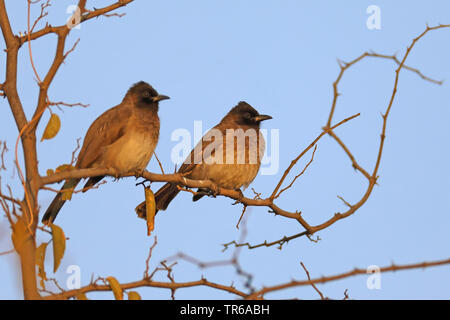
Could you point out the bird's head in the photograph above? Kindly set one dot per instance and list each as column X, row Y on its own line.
column 145, row 95
column 245, row 114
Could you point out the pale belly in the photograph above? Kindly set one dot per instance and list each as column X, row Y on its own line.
column 230, row 176
column 231, row 167
column 130, row 153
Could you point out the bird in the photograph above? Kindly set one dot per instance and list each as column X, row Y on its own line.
column 123, row 139
column 229, row 167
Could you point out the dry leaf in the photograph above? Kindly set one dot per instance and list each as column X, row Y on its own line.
column 64, row 167
column 81, row 296
column 19, row 234
column 67, row 194
column 40, row 255
column 52, row 128
column 133, row 295
column 151, row 209
column 59, row 245
column 40, row 259
column 115, row 286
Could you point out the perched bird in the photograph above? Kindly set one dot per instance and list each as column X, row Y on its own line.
column 218, row 158
column 122, row 138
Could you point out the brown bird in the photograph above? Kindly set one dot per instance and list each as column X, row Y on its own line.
column 122, row 138
column 220, row 158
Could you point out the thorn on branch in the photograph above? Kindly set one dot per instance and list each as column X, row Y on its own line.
column 316, row 240
column 346, row 203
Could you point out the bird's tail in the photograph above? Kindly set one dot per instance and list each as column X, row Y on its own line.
column 200, row 193
column 58, row 202
column 162, row 199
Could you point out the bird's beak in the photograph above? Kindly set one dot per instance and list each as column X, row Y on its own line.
column 160, row 97
column 261, row 117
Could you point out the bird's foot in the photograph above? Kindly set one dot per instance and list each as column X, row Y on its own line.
column 208, row 192
column 143, row 183
column 138, row 173
column 215, row 192
column 115, row 173
column 241, row 195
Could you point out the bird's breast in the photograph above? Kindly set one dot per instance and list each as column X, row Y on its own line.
column 233, row 164
column 131, row 152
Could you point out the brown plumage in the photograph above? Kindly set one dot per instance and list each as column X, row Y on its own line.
column 230, row 167
column 122, row 138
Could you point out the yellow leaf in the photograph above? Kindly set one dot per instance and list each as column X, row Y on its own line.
column 81, row 296
column 52, row 128
column 50, row 172
column 151, row 209
column 43, row 277
column 133, row 295
column 59, row 245
column 64, row 167
column 67, row 194
column 19, row 234
column 40, row 255
column 115, row 286
column 40, row 259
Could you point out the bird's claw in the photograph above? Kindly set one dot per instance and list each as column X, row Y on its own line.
column 241, row 195
column 138, row 173
column 116, row 173
column 209, row 192
column 215, row 192
column 143, row 182
column 239, row 198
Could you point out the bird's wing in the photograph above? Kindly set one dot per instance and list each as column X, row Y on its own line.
column 105, row 130
column 196, row 154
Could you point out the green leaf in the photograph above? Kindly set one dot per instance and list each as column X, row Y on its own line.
column 52, row 128
column 59, row 245
column 115, row 287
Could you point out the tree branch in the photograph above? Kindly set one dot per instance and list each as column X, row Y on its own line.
column 85, row 16
column 146, row 283
column 354, row 272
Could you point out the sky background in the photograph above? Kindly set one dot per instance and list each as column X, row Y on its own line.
column 281, row 57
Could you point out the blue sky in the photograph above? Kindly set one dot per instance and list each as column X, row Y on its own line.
column 281, row 58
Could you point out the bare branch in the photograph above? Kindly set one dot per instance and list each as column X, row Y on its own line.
column 354, row 272
column 7, row 252
column 146, row 283
column 322, row 297
column 85, row 16
column 279, row 242
column 301, row 173
column 312, row 144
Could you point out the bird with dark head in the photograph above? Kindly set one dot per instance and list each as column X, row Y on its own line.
column 123, row 139
column 229, row 155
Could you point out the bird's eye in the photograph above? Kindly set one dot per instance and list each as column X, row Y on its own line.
column 146, row 94
column 247, row 115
